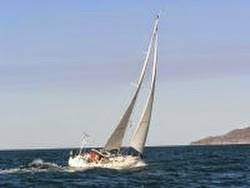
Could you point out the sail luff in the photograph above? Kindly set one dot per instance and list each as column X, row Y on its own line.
column 116, row 139
column 140, row 136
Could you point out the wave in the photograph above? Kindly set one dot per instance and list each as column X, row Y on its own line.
column 37, row 165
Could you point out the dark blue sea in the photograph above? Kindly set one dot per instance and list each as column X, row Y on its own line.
column 182, row 166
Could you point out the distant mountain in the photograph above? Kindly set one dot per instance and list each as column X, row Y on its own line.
column 236, row 136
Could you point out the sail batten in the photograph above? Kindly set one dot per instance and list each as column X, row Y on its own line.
column 116, row 139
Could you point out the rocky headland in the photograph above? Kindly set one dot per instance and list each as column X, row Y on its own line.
column 236, row 136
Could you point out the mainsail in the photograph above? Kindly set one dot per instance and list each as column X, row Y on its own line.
column 140, row 136
column 116, row 139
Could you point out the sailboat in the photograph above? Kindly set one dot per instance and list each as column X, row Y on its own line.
column 111, row 155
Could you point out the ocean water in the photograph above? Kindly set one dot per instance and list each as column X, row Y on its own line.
column 182, row 166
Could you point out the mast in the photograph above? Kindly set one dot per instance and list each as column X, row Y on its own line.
column 140, row 136
column 116, row 139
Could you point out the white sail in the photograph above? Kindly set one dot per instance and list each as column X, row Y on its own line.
column 116, row 139
column 140, row 136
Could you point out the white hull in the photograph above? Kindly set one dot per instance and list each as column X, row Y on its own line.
column 118, row 163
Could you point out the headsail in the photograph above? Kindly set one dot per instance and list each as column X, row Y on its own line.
column 140, row 136
column 115, row 140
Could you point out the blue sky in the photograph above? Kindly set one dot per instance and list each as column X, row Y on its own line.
column 65, row 63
